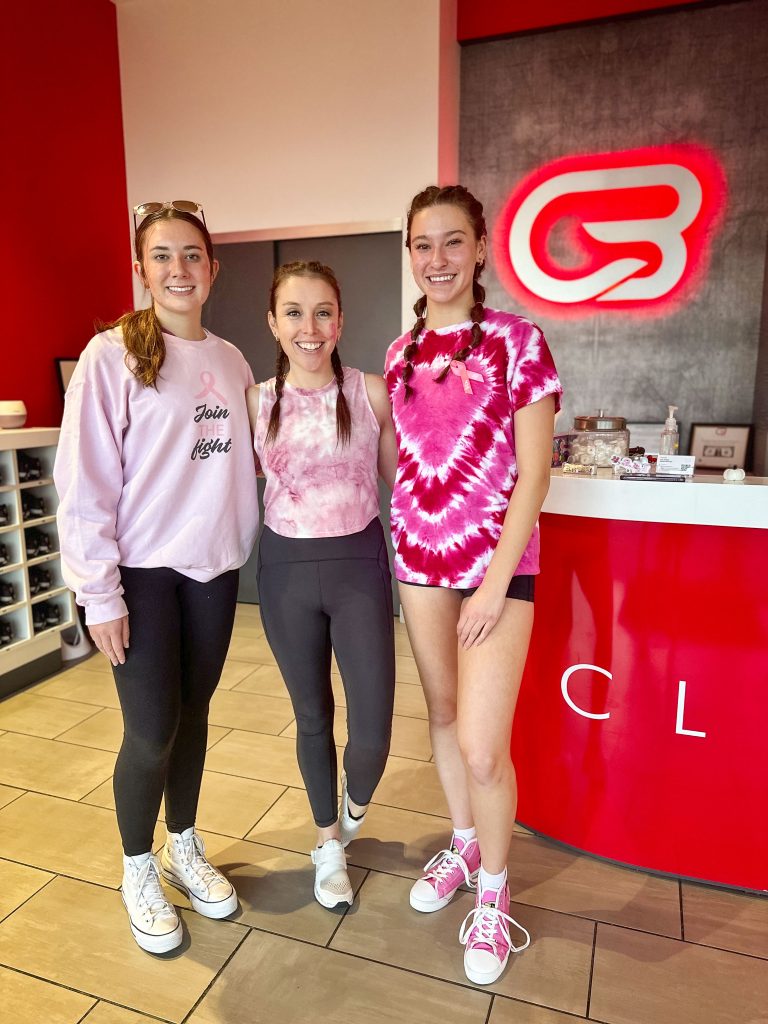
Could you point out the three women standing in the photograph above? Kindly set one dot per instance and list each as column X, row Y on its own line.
column 474, row 392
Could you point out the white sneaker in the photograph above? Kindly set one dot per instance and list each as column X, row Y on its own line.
column 348, row 826
column 154, row 921
column 332, row 884
column 184, row 865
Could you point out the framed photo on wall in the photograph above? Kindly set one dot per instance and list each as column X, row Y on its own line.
column 65, row 367
column 721, row 445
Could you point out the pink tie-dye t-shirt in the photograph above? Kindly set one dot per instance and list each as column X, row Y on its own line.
column 457, row 467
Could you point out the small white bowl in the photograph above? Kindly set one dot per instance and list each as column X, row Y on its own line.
column 12, row 415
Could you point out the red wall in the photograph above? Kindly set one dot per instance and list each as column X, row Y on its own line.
column 500, row 17
column 65, row 230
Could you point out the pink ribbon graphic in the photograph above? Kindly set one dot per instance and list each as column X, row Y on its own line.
column 466, row 375
column 209, row 387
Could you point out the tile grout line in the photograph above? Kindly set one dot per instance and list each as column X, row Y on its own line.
column 490, row 1007
column 591, row 970
column 100, row 1000
column 248, row 931
column 228, row 729
column 253, row 826
column 30, row 897
column 349, row 907
column 82, row 992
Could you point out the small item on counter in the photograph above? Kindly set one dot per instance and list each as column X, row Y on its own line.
column 670, row 437
column 561, row 445
column 595, row 439
column 6, row 632
column 575, row 469
column 681, row 465
column 637, row 465
column 734, row 475
column 668, row 478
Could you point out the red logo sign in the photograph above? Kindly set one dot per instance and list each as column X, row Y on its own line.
column 627, row 230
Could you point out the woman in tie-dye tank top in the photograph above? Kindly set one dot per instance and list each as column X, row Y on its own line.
column 474, row 392
column 323, row 434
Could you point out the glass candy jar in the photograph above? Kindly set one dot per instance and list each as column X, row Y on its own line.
column 598, row 437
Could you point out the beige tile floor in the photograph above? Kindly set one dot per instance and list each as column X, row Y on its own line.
column 609, row 944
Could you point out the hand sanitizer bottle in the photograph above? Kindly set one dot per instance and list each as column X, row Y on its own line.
column 670, row 438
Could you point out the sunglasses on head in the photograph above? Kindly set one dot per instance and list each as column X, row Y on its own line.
column 180, row 205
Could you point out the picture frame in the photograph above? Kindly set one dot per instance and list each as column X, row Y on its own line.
column 721, row 445
column 65, row 367
column 645, row 435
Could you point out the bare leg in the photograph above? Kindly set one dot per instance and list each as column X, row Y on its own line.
column 431, row 616
column 489, row 682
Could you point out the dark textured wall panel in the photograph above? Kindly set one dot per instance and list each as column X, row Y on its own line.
column 692, row 76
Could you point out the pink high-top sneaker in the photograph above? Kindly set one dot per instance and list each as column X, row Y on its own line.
column 485, row 933
column 447, row 870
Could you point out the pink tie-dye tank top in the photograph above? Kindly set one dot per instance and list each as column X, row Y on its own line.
column 317, row 486
column 456, row 440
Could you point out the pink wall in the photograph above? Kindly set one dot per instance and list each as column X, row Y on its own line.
column 500, row 17
column 65, row 236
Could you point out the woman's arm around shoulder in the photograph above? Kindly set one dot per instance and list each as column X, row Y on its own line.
column 252, row 401
column 379, row 399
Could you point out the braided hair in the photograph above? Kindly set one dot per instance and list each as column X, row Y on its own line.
column 448, row 195
column 307, row 268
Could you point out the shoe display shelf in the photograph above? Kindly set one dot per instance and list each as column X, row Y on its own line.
column 35, row 605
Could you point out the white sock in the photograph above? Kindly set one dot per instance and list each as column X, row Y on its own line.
column 465, row 834
column 488, row 881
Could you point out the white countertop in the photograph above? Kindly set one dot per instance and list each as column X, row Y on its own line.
column 703, row 501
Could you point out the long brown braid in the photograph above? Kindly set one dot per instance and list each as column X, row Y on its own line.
column 448, row 195
column 307, row 268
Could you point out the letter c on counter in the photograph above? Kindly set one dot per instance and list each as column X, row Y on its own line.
column 564, row 687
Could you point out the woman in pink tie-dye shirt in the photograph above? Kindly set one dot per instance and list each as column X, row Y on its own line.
column 473, row 392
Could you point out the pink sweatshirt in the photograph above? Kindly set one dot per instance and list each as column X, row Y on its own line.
column 154, row 477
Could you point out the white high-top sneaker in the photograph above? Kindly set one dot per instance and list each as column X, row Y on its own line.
column 184, row 865
column 154, row 921
column 332, row 884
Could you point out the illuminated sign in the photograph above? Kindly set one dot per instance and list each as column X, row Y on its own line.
column 628, row 230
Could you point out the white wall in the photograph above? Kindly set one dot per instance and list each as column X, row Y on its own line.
column 282, row 113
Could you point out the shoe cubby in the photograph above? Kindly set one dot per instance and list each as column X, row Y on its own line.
column 38, row 503
column 35, row 464
column 7, row 472
column 10, row 551
column 13, row 590
column 9, row 509
column 14, row 631
column 35, row 604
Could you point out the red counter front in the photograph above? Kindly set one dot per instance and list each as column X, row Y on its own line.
column 642, row 726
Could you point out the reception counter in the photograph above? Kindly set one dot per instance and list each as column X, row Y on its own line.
column 642, row 727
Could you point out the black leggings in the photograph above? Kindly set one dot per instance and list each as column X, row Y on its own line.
column 318, row 594
column 180, row 632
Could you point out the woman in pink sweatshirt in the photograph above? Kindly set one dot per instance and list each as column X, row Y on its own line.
column 158, row 511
